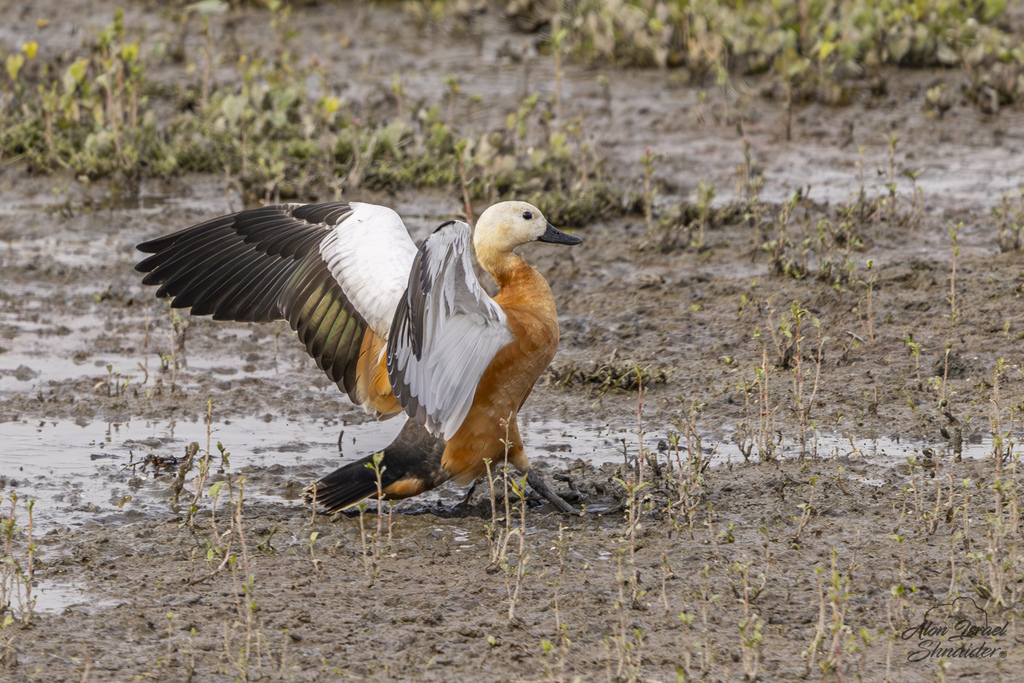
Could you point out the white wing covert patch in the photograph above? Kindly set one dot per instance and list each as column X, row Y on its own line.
column 445, row 333
column 370, row 254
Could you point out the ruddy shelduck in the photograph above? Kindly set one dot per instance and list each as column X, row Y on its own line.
column 396, row 327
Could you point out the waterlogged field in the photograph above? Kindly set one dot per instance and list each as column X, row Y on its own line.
column 788, row 397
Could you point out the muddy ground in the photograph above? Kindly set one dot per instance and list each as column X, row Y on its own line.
column 813, row 566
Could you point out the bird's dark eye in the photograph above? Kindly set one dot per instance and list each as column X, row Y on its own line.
column 528, row 215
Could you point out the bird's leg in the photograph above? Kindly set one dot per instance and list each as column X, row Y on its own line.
column 538, row 484
column 469, row 494
column 572, row 484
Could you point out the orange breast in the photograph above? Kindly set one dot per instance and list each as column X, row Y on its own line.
column 507, row 382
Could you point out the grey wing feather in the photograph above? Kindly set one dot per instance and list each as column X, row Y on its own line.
column 445, row 333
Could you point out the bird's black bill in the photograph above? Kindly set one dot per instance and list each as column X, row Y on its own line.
column 556, row 236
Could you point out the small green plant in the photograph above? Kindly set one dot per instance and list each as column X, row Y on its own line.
column 914, row 349
column 802, row 403
column 954, row 310
column 764, row 434
column 689, row 481
column 500, row 530
column 916, row 197
column 869, row 287
column 558, row 38
column 648, row 161
column 370, row 568
column 793, row 68
column 318, row 565
column 751, row 624
column 807, row 510
column 891, row 141
column 515, row 574
column 749, row 179
column 705, row 199
column 833, row 599
column 1010, row 216
column 17, row 566
column 782, row 263
column 379, row 544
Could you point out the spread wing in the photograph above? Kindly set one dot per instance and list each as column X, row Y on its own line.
column 445, row 333
column 370, row 254
column 334, row 271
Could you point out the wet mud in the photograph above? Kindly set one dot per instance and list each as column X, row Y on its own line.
column 820, row 475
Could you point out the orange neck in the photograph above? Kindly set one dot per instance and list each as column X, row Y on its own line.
column 506, row 267
column 520, row 286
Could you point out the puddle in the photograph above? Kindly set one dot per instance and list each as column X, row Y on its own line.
column 54, row 597
column 76, row 472
column 606, row 445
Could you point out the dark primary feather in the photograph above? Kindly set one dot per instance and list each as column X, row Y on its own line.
column 262, row 265
column 411, row 311
column 407, row 330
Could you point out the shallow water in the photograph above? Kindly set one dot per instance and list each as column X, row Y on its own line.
column 78, row 471
column 53, row 597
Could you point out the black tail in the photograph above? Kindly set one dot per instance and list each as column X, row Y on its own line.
column 411, row 465
column 347, row 485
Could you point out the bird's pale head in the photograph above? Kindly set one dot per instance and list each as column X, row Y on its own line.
column 506, row 225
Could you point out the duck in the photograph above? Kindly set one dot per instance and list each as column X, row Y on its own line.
column 400, row 329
